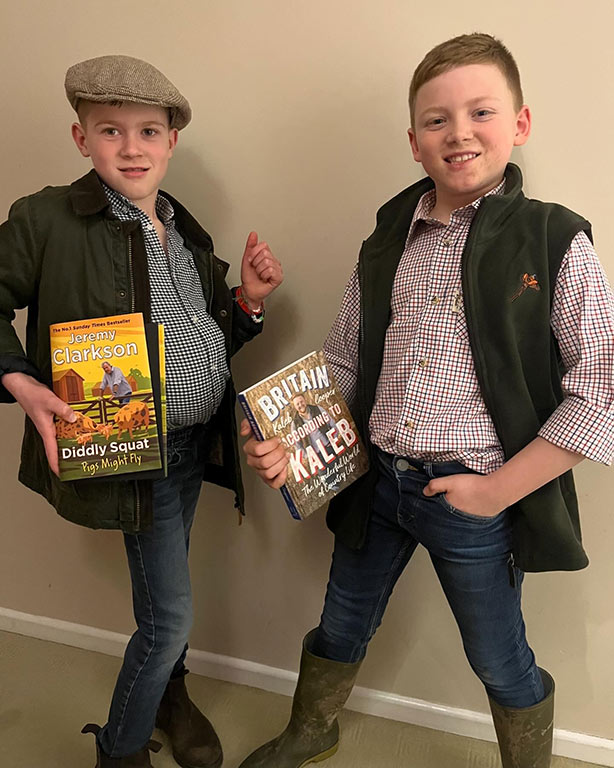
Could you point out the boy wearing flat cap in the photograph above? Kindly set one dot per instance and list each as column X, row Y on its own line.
column 112, row 243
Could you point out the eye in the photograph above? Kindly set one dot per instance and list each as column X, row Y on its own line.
column 150, row 132
column 483, row 113
column 435, row 122
column 110, row 131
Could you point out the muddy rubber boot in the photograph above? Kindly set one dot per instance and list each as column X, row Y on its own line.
column 139, row 759
column 193, row 738
column 525, row 734
column 312, row 734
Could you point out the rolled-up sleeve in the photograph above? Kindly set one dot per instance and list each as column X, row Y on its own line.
column 583, row 325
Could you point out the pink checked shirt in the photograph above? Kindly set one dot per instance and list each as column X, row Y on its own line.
column 428, row 403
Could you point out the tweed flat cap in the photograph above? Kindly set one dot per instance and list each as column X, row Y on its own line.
column 124, row 78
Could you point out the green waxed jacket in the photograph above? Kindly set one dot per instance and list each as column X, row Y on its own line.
column 516, row 357
column 65, row 257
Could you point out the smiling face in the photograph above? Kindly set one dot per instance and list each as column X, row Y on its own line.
column 106, row 367
column 130, row 146
column 300, row 404
column 465, row 127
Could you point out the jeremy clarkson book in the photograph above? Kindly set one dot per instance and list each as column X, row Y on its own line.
column 303, row 406
column 120, row 430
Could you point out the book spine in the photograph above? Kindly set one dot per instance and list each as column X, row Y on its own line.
column 290, row 502
column 257, row 431
column 250, row 416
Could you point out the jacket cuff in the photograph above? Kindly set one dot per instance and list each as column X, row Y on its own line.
column 15, row 364
column 244, row 328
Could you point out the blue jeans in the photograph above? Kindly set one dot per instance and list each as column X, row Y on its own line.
column 162, row 599
column 472, row 558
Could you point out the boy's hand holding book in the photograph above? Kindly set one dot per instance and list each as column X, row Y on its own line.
column 267, row 457
column 41, row 405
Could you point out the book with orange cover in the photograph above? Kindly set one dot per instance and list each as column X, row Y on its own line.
column 111, row 372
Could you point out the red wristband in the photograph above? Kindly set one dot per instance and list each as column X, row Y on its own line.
column 257, row 315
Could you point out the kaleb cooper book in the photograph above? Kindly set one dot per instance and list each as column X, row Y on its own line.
column 110, row 370
column 302, row 405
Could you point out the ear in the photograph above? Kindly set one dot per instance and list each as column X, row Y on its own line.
column 413, row 143
column 523, row 126
column 78, row 135
column 173, row 138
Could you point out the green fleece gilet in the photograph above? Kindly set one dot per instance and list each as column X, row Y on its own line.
column 516, row 357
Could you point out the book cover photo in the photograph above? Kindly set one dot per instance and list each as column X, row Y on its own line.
column 102, row 367
column 303, row 406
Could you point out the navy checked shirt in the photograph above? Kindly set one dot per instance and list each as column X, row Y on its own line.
column 195, row 353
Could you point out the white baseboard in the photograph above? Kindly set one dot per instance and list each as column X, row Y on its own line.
column 464, row 722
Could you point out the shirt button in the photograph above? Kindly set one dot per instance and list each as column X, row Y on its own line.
column 410, row 424
column 423, row 363
column 435, row 300
column 122, row 294
column 447, row 243
column 195, row 319
column 402, row 465
column 223, row 313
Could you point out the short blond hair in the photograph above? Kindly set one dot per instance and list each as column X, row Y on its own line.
column 476, row 48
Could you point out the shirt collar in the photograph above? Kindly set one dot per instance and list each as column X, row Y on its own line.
column 121, row 205
column 428, row 199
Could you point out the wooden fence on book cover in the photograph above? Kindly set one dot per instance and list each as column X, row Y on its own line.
column 103, row 410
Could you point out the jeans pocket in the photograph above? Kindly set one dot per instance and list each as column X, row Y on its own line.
column 175, row 457
column 480, row 519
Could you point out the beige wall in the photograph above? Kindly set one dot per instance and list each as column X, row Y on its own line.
column 299, row 131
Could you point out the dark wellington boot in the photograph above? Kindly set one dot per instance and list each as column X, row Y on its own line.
column 193, row 738
column 525, row 734
column 312, row 734
column 139, row 759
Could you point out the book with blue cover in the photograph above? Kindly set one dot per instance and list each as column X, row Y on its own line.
column 303, row 406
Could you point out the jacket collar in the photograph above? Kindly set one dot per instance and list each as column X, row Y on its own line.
column 87, row 197
column 394, row 218
column 496, row 209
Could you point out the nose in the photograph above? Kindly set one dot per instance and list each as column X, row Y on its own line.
column 459, row 130
column 131, row 146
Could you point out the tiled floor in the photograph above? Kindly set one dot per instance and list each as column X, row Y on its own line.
column 48, row 691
